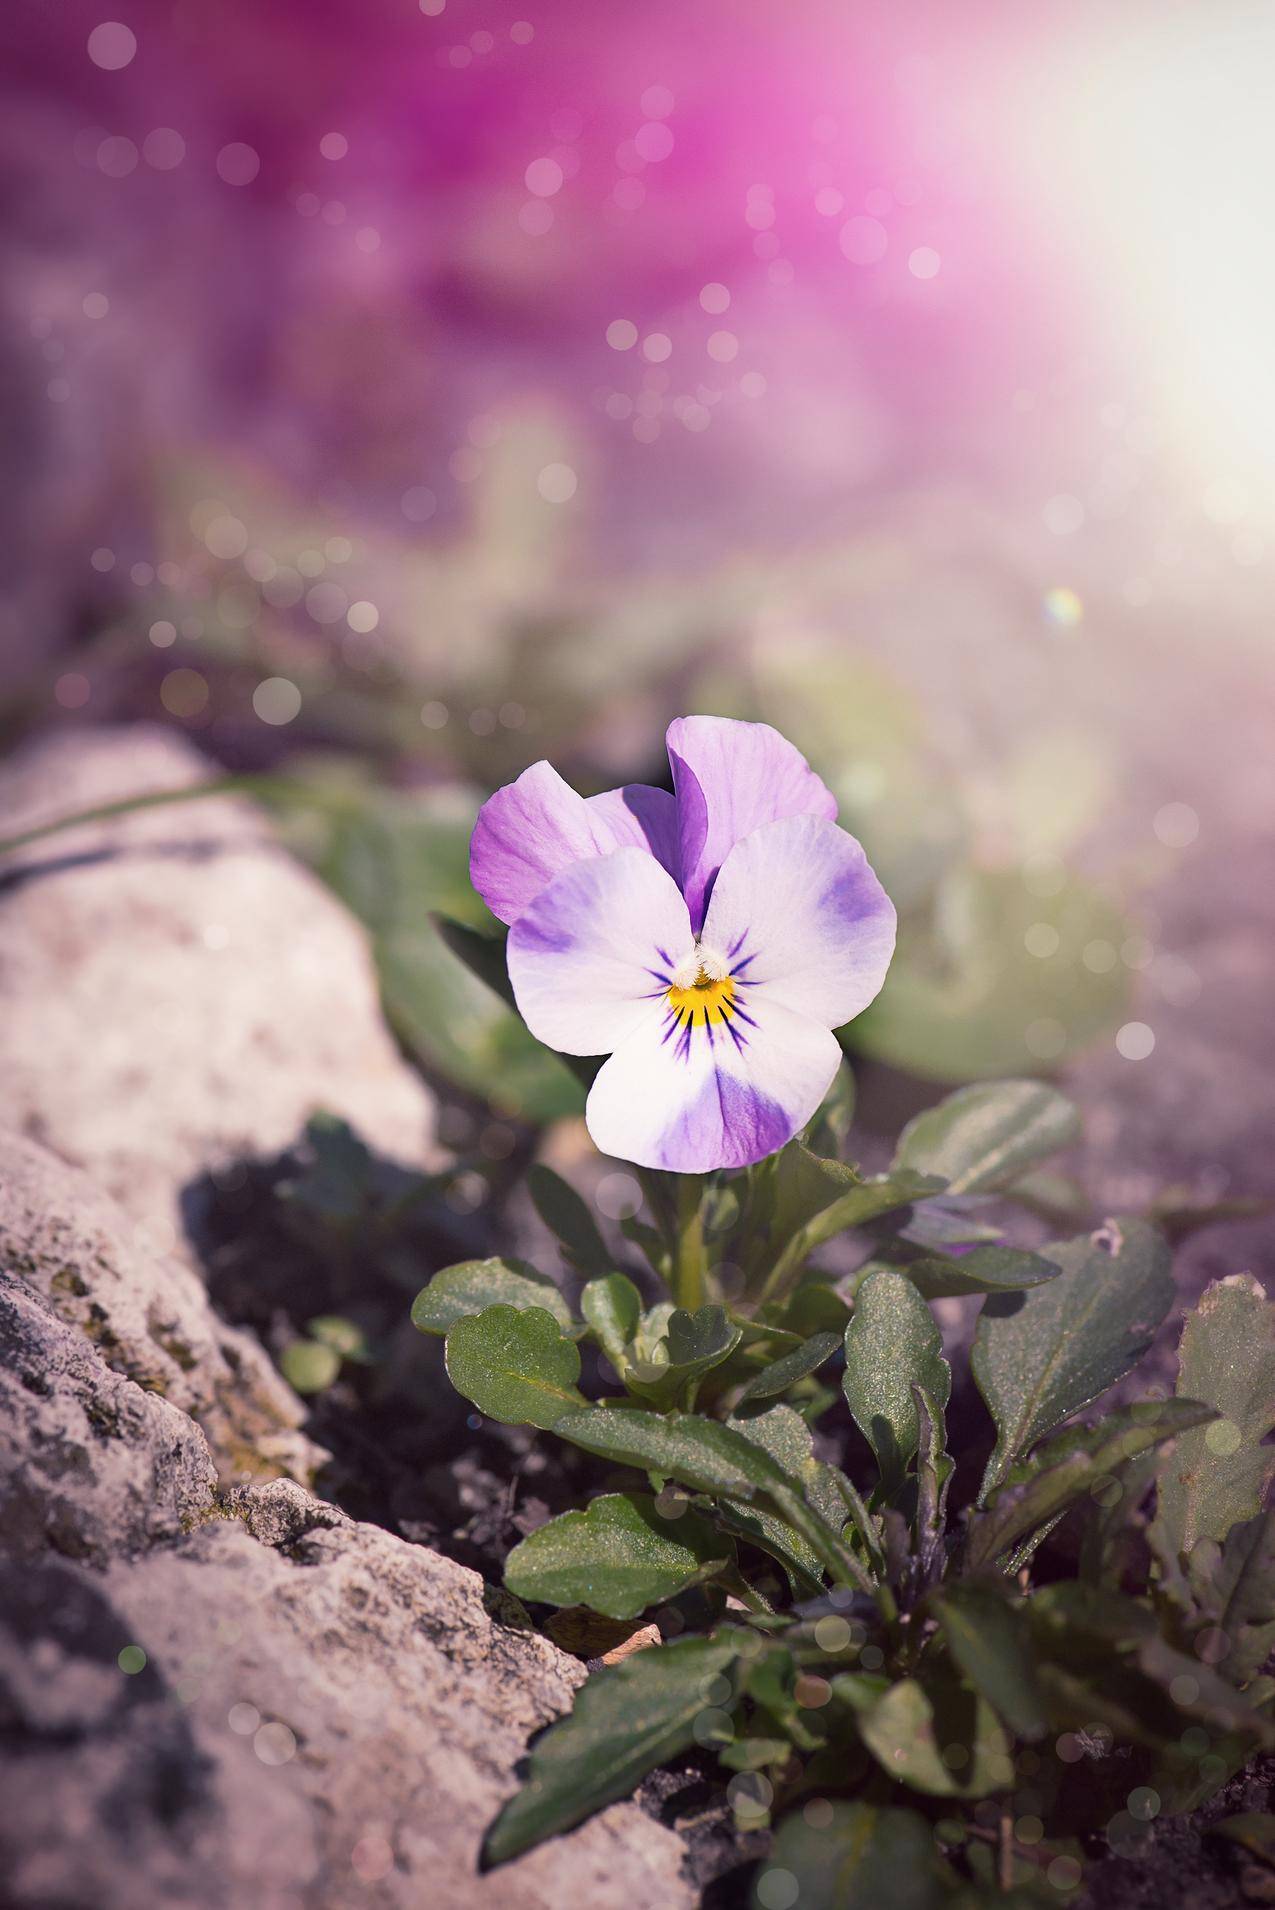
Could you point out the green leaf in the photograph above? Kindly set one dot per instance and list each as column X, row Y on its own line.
column 861, row 1857
column 345, row 1337
column 398, row 860
column 1080, row 1460
column 1219, row 1474
column 613, row 1308
column 617, row 1556
column 982, row 1137
column 934, row 1469
column 515, row 1366
column 628, row 1719
column 935, row 1737
column 1233, row 1585
column 938, row 1276
column 1042, row 1355
column 964, row 999
column 691, row 1345
column 709, row 1457
column 854, row 1207
column 790, row 1367
column 892, row 1343
column 472, row 1285
column 567, row 1216
column 309, row 1366
column 784, row 1434
column 991, row 1644
column 829, row 1127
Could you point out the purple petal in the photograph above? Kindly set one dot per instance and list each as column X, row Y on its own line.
column 591, row 958
column 716, row 1099
column 803, row 920
column 526, row 834
column 730, row 778
column 640, row 817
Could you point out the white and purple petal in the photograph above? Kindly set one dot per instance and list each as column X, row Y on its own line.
column 592, row 957
column 527, row 833
column 730, row 778
column 714, row 1095
column 640, row 817
column 801, row 920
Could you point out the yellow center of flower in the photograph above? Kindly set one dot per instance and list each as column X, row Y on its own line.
column 702, row 991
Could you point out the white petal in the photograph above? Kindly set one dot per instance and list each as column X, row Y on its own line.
column 591, row 957
column 802, row 919
column 689, row 1106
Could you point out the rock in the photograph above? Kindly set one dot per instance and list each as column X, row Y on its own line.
column 176, row 992
column 314, row 1713
column 325, row 1716
column 147, row 1314
column 90, row 1465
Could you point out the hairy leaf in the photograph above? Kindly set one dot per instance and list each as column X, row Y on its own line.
column 613, row 1308
column 567, row 1216
column 938, row 1276
column 1080, row 1460
column 628, row 1719
column 860, row 1857
column 934, row 1469
column 711, row 1457
column 1233, row 1585
column 472, row 1285
column 516, row 1367
column 1219, row 1474
column 691, row 1345
column 918, row 1732
column 892, row 1343
column 989, row 1640
column 980, row 1138
column 617, row 1556
column 1042, row 1355
column 790, row 1367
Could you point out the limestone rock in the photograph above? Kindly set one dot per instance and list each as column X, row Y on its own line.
column 176, row 992
column 148, row 1314
column 90, row 1465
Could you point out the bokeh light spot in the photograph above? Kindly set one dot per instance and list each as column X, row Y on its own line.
column 543, row 177
column 864, row 240
column 1176, row 825
column 334, row 145
column 117, row 157
column 131, row 1660
column 112, row 45
column 654, row 141
column 163, row 148
column 1135, row 1041
column 557, row 483
column 238, row 164
column 184, row 693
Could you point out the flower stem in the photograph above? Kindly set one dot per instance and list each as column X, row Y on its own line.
column 689, row 1262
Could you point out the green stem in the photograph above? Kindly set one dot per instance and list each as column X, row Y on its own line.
column 689, row 1260
column 262, row 786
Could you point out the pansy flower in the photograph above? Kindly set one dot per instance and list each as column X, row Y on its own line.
column 707, row 941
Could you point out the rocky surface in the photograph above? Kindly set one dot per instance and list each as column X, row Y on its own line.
column 313, row 1712
column 176, row 992
column 147, row 1314
column 90, row 1465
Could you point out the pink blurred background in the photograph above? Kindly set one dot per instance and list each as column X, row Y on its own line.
column 441, row 385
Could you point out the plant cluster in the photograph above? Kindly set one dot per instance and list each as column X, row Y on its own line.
column 927, row 1707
